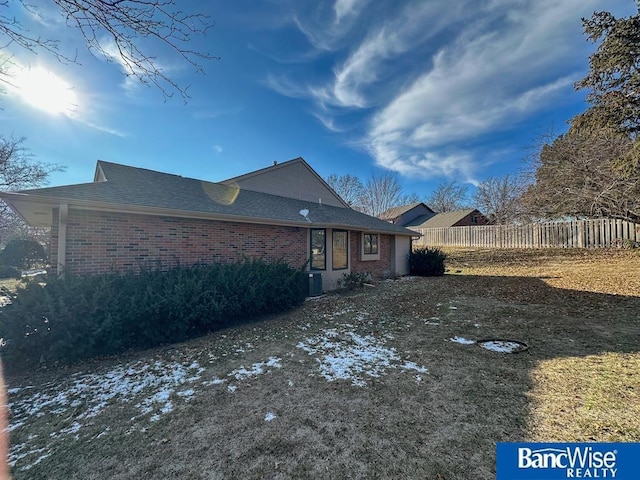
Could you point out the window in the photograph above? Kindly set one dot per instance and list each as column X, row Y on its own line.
column 370, row 244
column 318, row 249
column 369, row 247
column 340, row 251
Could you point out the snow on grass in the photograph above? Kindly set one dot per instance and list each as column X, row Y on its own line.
column 151, row 388
column 256, row 369
column 413, row 366
column 188, row 393
column 346, row 355
column 501, row 346
column 269, row 417
column 147, row 386
column 213, row 381
column 462, row 340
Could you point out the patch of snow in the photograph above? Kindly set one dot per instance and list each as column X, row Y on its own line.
column 408, row 278
column 73, row 428
column 346, row 355
column 147, row 386
column 339, row 313
column 413, row 366
column 501, row 346
column 214, row 381
column 231, row 388
column 269, row 417
column 13, row 426
column 16, row 454
column 186, row 393
column 256, row 369
column 453, row 307
column 34, row 272
column 462, row 340
column 418, row 378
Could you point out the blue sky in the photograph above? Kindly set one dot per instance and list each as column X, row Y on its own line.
column 433, row 90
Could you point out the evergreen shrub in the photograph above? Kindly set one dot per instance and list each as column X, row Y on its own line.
column 7, row 271
column 23, row 253
column 75, row 317
column 427, row 262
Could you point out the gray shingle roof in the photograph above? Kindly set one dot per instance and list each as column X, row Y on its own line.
column 147, row 189
column 394, row 212
column 445, row 219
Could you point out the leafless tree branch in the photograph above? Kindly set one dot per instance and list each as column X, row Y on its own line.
column 117, row 29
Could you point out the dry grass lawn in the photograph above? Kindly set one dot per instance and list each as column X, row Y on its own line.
column 367, row 384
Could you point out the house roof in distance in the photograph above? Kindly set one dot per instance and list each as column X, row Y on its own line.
column 445, row 219
column 395, row 212
column 124, row 188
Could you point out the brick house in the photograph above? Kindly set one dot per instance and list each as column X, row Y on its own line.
column 131, row 216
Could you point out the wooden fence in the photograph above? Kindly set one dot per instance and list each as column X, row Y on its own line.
column 575, row 234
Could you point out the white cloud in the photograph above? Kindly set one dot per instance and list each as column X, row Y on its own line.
column 367, row 64
column 485, row 81
column 431, row 79
column 105, row 129
column 328, row 122
column 285, row 87
column 344, row 8
column 143, row 72
column 327, row 28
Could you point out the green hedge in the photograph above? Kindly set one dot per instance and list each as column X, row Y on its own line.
column 7, row 271
column 23, row 253
column 80, row 317
column 427, row 262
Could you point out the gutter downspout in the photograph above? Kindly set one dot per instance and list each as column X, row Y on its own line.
column 62, row 238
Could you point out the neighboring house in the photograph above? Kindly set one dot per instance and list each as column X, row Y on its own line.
column 130, row 216
column 407, row 214
column 418, row 215
column 458, row 218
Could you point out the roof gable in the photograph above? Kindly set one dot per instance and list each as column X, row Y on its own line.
column 414, row 210
column 293, row 179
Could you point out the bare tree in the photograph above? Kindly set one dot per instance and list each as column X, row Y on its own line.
column 18, row 170
column 500, row 199
column 408, row 199
column 115, row 30
column 349, row 187
column 448, row 197
column 381, row 192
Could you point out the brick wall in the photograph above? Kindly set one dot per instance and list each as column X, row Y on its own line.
column 101, row 242
column 466, row 221
column 378, row 268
